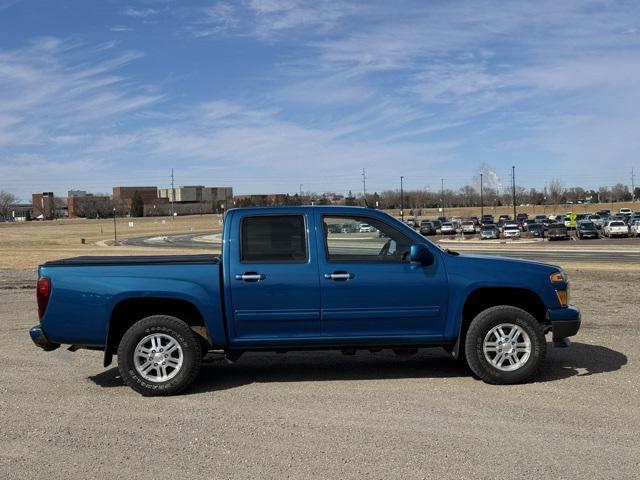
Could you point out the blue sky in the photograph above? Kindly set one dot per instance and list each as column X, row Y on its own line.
column 265, row 95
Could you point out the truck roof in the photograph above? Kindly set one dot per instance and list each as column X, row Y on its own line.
column 342, row 209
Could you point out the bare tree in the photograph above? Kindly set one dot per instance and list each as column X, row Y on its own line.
column 555, row 190
column 620, row 193
column 6, row 202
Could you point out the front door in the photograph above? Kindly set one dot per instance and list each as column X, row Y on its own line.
column 275, row 292
column 369, row 289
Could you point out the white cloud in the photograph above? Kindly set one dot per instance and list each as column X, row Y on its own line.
column 267, row 19
column 53, row 85
column 140, row 12
column 320, row 16
column 214, row 20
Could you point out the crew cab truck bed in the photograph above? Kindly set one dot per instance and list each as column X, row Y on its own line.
column 303, row 278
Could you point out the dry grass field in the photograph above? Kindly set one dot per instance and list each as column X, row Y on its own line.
column 25, row 245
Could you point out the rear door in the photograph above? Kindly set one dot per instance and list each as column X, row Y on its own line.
column 370, row 289
column 273, row 277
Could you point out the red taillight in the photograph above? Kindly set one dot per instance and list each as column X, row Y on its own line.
column 43, row 292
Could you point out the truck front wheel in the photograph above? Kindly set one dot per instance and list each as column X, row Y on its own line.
column 505, row 345
column 159, row 355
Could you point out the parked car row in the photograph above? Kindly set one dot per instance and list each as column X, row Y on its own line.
column 350, row 227
column 554, row 227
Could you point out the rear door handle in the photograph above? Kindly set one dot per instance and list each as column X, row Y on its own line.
column 339, row 276
column 250, row 277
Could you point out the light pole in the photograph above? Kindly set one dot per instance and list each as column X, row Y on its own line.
column 513, row 186
column 115, row 231
column 481, row 198
column 401, row 199
column 442, row 191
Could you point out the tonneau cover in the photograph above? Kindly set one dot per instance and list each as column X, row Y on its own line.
column 133, row 260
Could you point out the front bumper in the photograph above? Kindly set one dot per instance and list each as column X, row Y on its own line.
column 41, row 340
column 565, row 322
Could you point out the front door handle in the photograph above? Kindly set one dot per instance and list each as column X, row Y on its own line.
column 250, row 276
column 339, row 276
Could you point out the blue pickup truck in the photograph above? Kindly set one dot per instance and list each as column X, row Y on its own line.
column 304, row 278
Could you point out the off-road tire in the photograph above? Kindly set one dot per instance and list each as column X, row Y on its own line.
column 177, row 330
column 479, row 328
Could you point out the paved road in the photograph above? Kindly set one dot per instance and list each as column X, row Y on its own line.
column 183, row 240
column 546, row 253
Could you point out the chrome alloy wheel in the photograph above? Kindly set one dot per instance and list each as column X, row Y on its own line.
column 507, row 347
column 158, row 357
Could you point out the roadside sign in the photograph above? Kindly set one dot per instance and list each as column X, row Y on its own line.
column 572, row 219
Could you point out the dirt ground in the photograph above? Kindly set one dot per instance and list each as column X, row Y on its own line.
column 324, row 415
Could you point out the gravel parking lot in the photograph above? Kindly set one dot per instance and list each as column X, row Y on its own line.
column 326, row 415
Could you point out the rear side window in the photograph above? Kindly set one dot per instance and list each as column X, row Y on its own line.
column 274, row 239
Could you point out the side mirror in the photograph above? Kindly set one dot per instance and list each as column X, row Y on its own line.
column 421, row 255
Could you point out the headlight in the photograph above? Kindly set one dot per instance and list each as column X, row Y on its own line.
column 563, row 297
column 563, row 294
column 559, row 277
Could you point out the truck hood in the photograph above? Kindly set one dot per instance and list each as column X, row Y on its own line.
column 501, row 265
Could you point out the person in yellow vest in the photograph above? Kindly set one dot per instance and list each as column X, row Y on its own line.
column 572, row 224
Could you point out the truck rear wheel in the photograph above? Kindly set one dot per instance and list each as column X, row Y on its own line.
column 505, row 345
column 159, row 355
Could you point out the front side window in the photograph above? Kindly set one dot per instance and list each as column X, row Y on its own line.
column 346, row 241
column 274, row 239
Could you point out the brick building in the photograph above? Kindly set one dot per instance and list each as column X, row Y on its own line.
column 122, row 196
column 43, row 205
column 197, row 194
column 90, row 206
